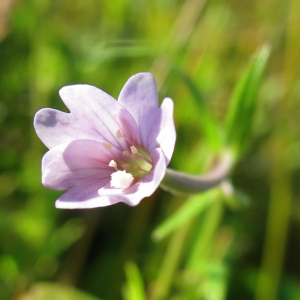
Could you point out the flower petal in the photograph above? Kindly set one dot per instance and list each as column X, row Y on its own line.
column 144, row 187
column 82, row 164
column 94, row 115
column 163, row 134
column 55, row 127
column 76, row 198
column 139, row 97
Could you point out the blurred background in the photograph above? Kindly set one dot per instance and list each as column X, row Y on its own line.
column 240, row 241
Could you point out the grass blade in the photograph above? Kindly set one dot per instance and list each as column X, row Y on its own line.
column 242, row 105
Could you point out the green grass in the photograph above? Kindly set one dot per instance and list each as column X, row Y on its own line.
column 232, row 70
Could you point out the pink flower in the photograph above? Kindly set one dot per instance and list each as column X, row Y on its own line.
column 106, row 151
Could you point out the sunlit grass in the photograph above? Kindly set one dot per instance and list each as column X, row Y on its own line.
column 212, row 246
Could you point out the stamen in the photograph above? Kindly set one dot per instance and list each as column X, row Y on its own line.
column 134, row 156
column 126, row 166
column 113, row 164
column 119, row 134
column 107, row 146
column 138, row 168
column 144, row 158
column 121, row 179
column 126, row 153
column 133, row 150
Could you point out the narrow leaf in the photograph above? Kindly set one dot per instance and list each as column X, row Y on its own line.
column 208, row 124
column 241, row 112
column 194, row 206
column 134, row 289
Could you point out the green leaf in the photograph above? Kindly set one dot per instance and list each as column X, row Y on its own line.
column 194, row 206
column 134, row 289
column 208, row 124
column 241, row 112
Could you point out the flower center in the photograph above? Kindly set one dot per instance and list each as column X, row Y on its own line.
column 134, row 164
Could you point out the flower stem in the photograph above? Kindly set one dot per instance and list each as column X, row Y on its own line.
column 186, row 184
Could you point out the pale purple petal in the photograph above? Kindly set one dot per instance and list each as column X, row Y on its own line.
column 77, row 198
column 144, row 187
column 162, row 134
column 55, row 127
column 94, row 115
column 81, row 164
column 139, row 97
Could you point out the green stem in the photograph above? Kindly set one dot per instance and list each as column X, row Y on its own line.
column 281, row 187
column 180, row 183
column 211, row 223
column 169, row 264
column 276, row 236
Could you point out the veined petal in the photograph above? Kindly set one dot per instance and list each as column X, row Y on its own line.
column 55, row 127
column 162, row 134
column 77, row 198
column 94, row 114
column 81, row 164
column 139, row 97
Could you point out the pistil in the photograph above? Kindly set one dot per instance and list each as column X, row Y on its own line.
column 134, row 164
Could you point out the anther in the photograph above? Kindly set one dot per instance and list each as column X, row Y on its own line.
column 133, row 150
column 107, row 146
column 126, row 153
column 119, row 134
column 113, row 164
column 136, row 154
column 126, row 166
